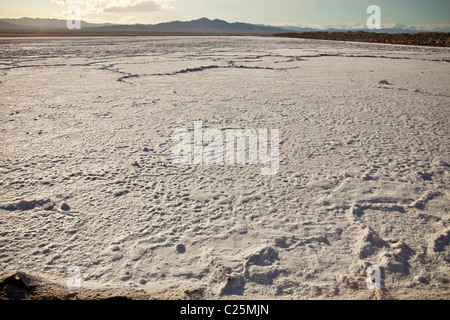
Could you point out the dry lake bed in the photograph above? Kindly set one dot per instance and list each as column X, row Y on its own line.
column 359, row 181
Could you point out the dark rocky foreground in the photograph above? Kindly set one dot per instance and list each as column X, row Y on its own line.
column 25, row 286
column 435, row 39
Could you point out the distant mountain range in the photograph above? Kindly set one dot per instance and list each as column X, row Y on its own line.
column 200, row 26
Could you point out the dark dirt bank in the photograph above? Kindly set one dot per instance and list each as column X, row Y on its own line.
column 435, row 39
column 24, row 286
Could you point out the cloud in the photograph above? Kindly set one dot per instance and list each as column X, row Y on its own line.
column 423, row 27
column 128, row 20
column 144, row 6
column 117, row 6
column 353, row 25
column 357, row 25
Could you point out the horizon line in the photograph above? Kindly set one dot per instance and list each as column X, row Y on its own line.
column 300, row 25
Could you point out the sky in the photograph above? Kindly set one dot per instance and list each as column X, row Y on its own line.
column 432, row 15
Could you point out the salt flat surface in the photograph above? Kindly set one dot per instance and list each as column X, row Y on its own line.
column 363, row 173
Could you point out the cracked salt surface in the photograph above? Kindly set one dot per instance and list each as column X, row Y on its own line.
column 87, row 177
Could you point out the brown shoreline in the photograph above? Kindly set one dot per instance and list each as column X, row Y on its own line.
column 434, row 39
